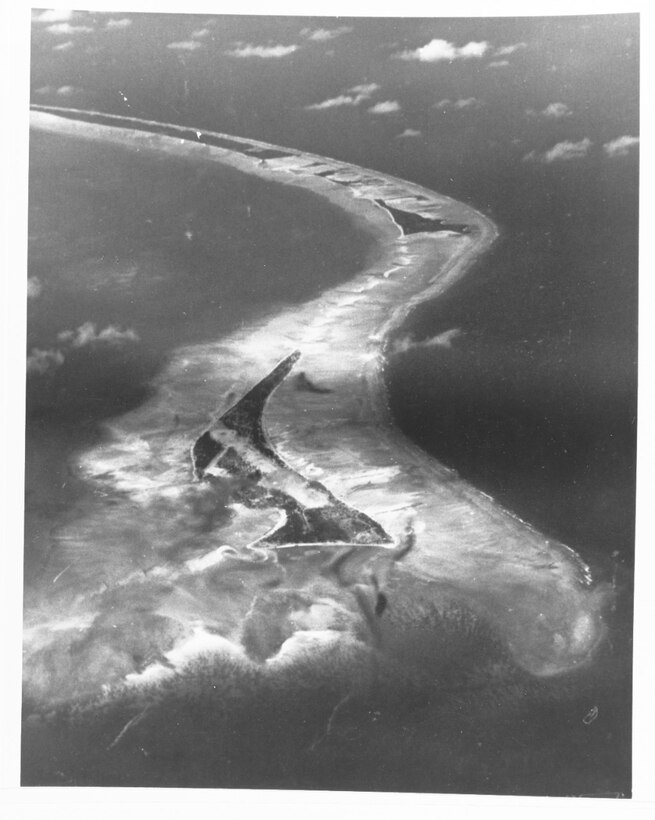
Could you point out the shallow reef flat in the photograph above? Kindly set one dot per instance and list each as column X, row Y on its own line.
column 325, row 440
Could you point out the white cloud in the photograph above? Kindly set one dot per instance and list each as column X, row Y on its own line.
column 45, row 89
column 505, row 51
column 562, row 152
column 115, row 25
column 437, row 50
column 264, row 52
column 568, row 150
column 333, row 102
column 199, row 33
column 68, row 91
column 185, row 45
column 66, row 28
column 386, row 107
column 352, row 96
column 87, row 334
column 64, row 46
column 473, row 49
column 621, row 146
column 40, row 361
column 323, row 34
column 459, row 105
column 34, row 287
column 498, row 64
column 408, row 133
column 556, row 111
column 53, row 16
column 365, row 89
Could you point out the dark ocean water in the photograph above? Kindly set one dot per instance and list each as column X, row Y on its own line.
column 172, row 250
column 535, row 402
column 543, row 365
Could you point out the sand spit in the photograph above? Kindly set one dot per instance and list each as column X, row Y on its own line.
column 536, row 592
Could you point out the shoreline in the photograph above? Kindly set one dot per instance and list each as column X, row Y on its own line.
column 535, row 591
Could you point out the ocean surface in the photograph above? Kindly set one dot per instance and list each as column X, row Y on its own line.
column 532, row 399
column 165, row 252
column 542, row 376
column 522, row 378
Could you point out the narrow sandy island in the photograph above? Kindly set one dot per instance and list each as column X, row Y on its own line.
column 329, row 419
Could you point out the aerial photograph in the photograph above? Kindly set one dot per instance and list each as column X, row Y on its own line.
column 331, row 402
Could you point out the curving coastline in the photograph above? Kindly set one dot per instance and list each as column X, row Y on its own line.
column 536, row 592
